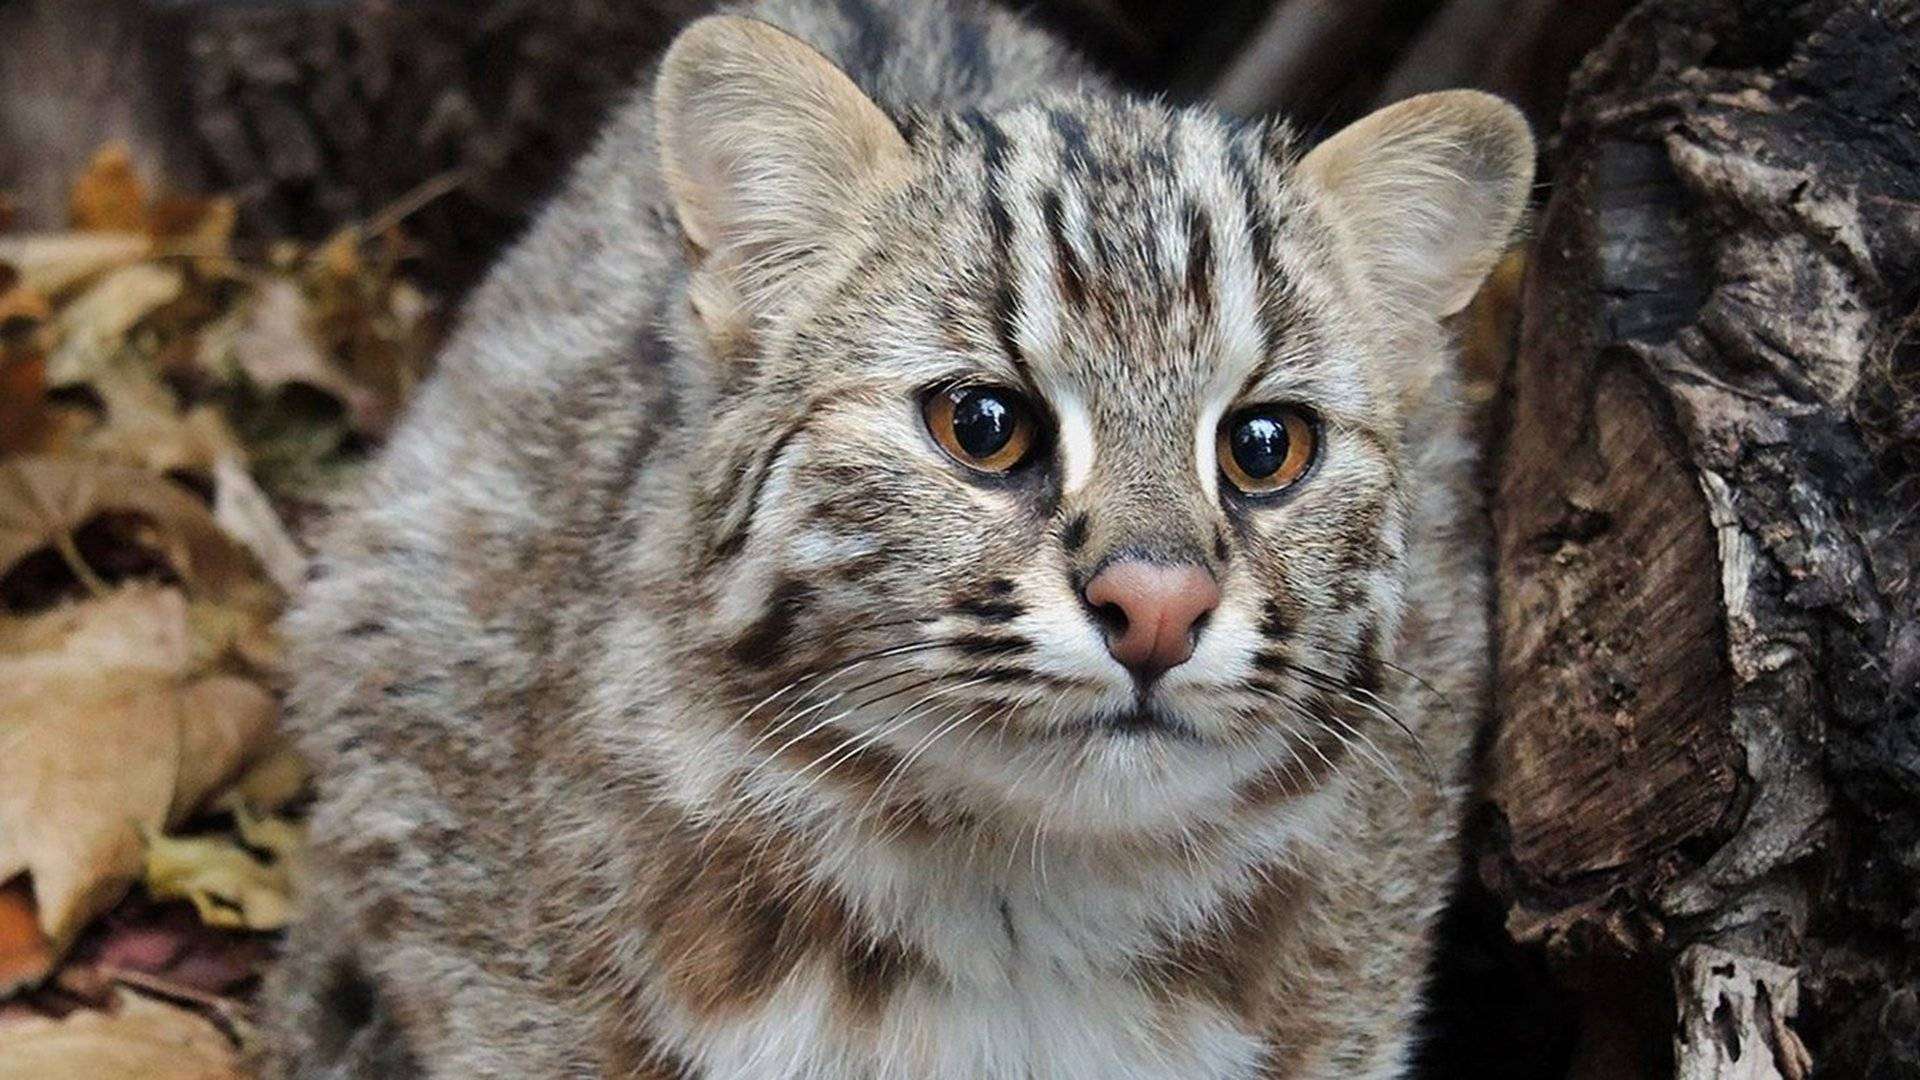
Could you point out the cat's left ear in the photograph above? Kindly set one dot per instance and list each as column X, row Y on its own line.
column 1430, row 190
column 766, row 148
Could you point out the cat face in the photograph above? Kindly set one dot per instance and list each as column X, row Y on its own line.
column 1058, row 456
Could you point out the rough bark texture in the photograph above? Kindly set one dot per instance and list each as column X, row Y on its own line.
column 1706, row 779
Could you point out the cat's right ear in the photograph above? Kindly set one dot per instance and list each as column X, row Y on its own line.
column 767, row 150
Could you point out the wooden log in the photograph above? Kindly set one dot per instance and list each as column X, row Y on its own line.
column 1706, row 773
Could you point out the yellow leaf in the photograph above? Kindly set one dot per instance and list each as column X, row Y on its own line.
column 139, row 1039
column 106, row 727
column 226, row 885
column 108, row 196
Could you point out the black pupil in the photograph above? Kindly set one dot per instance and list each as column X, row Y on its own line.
column 983, row 422
column 1259, row 445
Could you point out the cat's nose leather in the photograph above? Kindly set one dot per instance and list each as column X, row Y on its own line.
column 1151, row 611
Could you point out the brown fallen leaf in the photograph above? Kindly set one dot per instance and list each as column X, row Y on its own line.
column 26, row 957
column 115, row 722
column 44, row 499
column 140, row 1038
column 24, row 423
column 275, row 779
column 108, row 196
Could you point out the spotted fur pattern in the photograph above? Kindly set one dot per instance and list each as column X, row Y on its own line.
column 680, row 711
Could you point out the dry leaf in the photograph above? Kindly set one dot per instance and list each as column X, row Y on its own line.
column 277, row 346
column 93, row 327
column 109, row 726
column 243, row 511
column 24, row 424
column 52, row 263
column 139, row 1039
column 108, row 196
column 144, row 427
column 228, row 886
column 19, row 300
column 270, row 783
column 26, row 956
column 43, row 499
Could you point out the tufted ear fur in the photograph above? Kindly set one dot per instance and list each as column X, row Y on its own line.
column 767, row 150
column 1429, row 191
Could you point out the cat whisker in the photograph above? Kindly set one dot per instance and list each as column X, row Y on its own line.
column 1326, row 683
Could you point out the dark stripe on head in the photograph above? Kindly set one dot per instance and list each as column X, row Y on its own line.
column 1199, row 257
column 1073, row 283
column 1075, row 148
column 1006, row 302
column 1260, row 240
column 1254, row 204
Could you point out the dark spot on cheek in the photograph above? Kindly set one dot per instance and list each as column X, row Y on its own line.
column 1000, row 587
column 990, row 645
column 764, row 640
column 349, row 1000
column 991, row 610
column 1276, row 621
column 1073, row 535
column 872, row 971
column 1273, row 661
column 1221, row 551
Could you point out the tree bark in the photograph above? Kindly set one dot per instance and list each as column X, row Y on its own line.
column 1706, row 775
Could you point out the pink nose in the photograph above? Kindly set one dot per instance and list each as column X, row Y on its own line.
column 1152, row 612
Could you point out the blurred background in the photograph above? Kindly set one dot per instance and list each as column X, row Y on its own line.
column 313, row 113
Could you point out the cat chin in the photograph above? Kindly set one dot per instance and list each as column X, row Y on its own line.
column 1110, row 774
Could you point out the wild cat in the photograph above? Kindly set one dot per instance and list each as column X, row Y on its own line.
column 919, row 566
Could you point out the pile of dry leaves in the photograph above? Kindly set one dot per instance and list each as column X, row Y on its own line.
column 171, row 407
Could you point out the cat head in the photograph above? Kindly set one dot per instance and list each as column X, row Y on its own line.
column 1057, row 458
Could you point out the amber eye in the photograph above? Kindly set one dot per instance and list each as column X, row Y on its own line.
column 1265, row 448
column 989, row 428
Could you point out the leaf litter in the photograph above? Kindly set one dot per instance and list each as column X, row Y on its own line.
column 174, row 406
